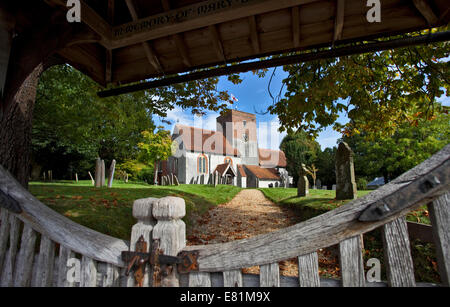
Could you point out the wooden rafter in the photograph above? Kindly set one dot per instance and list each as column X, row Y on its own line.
column 149, row 52
column 178, row 39
column 217, row 42
column 426, row 11
column 244, row 9
column 92, row 19
column 109, row 52
column 296, row 26
column 339, row 20
column 254, row 34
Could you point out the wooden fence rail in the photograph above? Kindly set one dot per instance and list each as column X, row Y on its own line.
column 39, row 247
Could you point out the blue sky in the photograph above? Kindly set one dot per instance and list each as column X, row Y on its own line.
column 254, row 97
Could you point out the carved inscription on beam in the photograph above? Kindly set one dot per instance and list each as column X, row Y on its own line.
column 194, row 16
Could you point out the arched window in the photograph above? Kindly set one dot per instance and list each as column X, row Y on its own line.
column 228, row 160
column 202, row 164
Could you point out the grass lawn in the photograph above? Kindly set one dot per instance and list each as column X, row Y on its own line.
column 109, row 211
column 321, row 201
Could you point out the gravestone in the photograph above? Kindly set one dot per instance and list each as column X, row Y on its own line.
column 102, row 178
column 176, row 180
column 318, row 184
column 98, row 173
column 303, row 183
column 333, row 187
column 112, row 169
column 345, row 173
column 324, row 187
column 172, row 179
column 216, row 178
column 202, row 179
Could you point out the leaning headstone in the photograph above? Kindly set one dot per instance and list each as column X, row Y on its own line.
column 76, row 177
column 92, row 179
column 324, row 187
column 333, row 187
column 202, row 179
column 172, row 179
column 112, row 169
column 303, row 183
column 345, row 173
column 176, row 180
column 318, row 184
column 216, row 178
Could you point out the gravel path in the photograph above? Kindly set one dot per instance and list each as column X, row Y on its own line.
column 248, row 214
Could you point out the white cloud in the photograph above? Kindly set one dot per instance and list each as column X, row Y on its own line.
column 268, row 135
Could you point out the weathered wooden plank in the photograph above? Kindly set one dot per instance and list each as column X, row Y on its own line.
column 5, row 43
column 232, row 278
column 424, row 8
column 58, row 228
column 399, row 265
column 24, row 262
column 254, row 38
column 4, row 236
column 339, row 20
column 112, row 276
column 351, row 261
column 199, row 279
column 296, row 26
column 64, row 255
column 217, row 43
column 440, row 220
column 88, row 272
column 7, row 278
column 45, row 262
column 269, row 275
column 308, row 270
column 325, row 230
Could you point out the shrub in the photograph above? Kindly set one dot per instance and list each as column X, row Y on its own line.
column 146, row 174
column 361, row 183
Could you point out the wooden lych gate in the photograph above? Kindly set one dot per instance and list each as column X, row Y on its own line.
column 160, row 230
column 119, row 42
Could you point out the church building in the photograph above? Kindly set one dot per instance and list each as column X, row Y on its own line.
column 231, row 152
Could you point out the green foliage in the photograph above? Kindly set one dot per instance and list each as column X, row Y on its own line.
column 146, row 175
column 325, row 161
column 361, row 183
column 379, row 91
column 299, row 148
column 408, row 146
column 155, row 147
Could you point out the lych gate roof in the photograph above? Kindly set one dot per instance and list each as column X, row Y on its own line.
column 224, row 168
column 263, row 173
column 141, row 39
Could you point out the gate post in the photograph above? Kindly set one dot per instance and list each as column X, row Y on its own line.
column 171, row 231
column 142, row 211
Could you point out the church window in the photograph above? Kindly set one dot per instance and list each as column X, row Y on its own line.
column 202, row 165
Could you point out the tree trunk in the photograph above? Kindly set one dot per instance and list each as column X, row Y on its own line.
column 155, row 179
column 15, row 129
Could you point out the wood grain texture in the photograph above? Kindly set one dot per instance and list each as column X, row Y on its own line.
column 424, row 8
column 45, row 263
column 308, row 270
column 24, row 262
column 199, row 279
column 440, row 220
column 7, row 278
column 232, row 278
column 397, row 254
column 269, row 275
column 60, row 229
column 339, row 20
column 296, row 26
column 351, row 262
column 112, row 276
column 88, row 272
column 325, row 230
column 4, row 236
column 64, row 255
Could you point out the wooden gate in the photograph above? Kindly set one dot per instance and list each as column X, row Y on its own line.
column 63, row 244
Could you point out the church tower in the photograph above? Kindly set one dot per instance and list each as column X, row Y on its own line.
column 240, row 130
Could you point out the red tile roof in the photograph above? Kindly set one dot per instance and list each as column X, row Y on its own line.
column 263, row 173
column 271, row 158
column 201, row 140
column 222, row 168
column 241, row 170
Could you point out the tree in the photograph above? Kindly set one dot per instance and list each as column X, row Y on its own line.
column 378, row 91
column 312, row 171
column 156, row 147
column 391, row 156
column 326, row 161
column 299, row 149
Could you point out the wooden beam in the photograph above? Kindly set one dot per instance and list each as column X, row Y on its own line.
column 177, row 39
column 254, row 34
column 286, row 60
column 151, row 55
column 92, row 19
column 194, row 16
column 6, row 25
column 108, row 66
column 217, row 42
column 296, row 26
column 426, row 11
column 339, row 20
